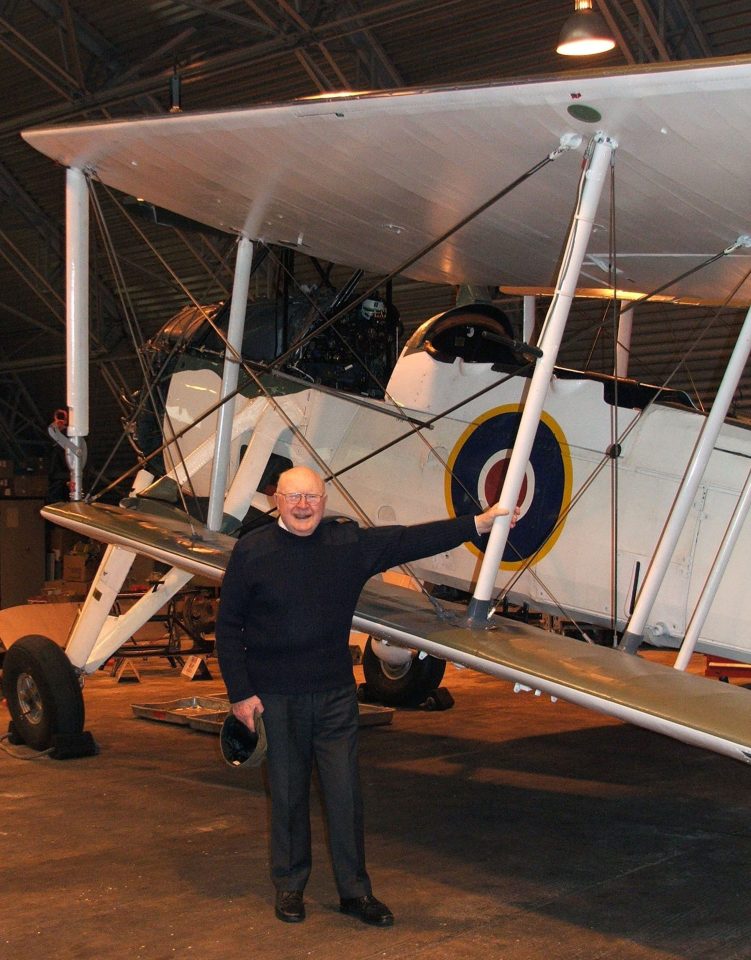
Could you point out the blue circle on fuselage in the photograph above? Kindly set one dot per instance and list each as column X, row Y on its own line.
column 479, row 467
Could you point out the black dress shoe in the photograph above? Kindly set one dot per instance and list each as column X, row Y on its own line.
column 289, row 906
column 367, row 909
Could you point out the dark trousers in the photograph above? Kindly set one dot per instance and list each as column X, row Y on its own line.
column 300, row 729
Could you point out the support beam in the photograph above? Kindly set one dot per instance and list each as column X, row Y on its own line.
column 50, row 235
column 232, row 357
column 592, row 181
column 684, row 498
column 529, row 317
column 714, row 578
column 623, row 344
column 77, row 323
column 110, row 576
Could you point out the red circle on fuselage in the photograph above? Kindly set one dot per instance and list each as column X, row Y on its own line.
column 494, row 482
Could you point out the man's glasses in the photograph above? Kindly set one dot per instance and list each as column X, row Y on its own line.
column 312, row 498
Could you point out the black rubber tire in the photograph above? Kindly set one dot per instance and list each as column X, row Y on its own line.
column 42, row 691
column 199, row 616
column 407, row 688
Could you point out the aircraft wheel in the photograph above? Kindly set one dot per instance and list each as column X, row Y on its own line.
column 199, row 615
column 405, row 686
column 42, row 691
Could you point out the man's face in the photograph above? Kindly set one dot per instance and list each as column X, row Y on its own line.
column 303, row 516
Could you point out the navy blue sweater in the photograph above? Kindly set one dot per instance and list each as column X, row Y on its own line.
column 287, row 601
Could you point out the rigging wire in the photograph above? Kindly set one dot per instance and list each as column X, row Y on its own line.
column 153, row 393
column 123, row 294
column 527, row 564
column 424, row 251
column 264, row 368
column 345, row 310
column 332, row 320
column 417, row 430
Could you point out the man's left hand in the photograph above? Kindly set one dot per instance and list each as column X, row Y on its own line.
column 484, row 521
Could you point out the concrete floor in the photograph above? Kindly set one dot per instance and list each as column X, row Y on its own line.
column 507, row 827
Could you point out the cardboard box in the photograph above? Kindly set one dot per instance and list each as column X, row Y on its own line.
column 76, row 568
column 62, row 540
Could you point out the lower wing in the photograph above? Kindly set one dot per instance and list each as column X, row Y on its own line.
column 690, row 708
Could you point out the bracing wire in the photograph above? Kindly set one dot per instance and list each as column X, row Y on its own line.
column 343, row 312
column 527, row 565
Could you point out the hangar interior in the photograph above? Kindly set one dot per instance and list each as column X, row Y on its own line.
column 66, row 62
column 71, row 62
column 502, row 827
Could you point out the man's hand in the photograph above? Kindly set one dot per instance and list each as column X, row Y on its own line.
column 247, row 710
column 484, row 521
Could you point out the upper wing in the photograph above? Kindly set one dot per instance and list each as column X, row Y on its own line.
column 369, row 180
column 702, row 712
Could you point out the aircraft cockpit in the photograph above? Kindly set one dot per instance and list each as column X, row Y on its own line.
column 474, row 333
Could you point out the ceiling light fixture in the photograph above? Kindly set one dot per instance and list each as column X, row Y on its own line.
column 584, row 33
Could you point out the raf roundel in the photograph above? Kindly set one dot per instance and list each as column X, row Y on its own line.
column 478, row 465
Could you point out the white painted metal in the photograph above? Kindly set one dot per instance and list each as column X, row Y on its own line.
column 529, row 317
column 593, row 178
column 191, row 393
column 407, row 484
column 389, row 653
column 439, row 157
column 714, row 579
column 196, row 564
column 77, row 323
column 623, row 346
column 266, row 434
column 103, row 592
column 118, row 629
column 697, row 738
column 688, row 488
column 141, row 480
column 232, row 357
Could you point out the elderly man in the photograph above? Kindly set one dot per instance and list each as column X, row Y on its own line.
column 282, row 638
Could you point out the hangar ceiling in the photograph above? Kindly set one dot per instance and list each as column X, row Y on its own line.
column 76, row 60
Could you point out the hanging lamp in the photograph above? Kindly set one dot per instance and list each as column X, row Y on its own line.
column 584, row 33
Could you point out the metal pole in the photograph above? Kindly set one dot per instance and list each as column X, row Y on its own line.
column 623, row 346
column 714, row 578
column 233, row 352
column 528, row 318
column 591, row 184
column 77, row 324
column 687, row 490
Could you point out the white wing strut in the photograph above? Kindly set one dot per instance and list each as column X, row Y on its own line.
column 714, row 578
column 623, row 344
column 689, row 485
column 77, row 326
column 230, row 373
column 591, row 183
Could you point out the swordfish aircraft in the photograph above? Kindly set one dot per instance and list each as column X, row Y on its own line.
column 493, row 184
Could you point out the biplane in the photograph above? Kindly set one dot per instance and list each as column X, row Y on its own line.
column 504, row 185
